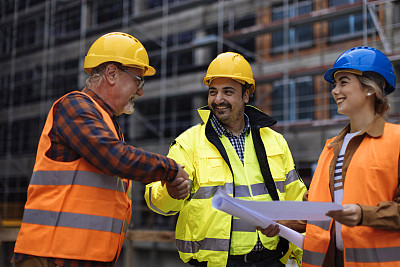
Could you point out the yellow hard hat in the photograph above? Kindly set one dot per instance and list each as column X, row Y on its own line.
column 118, row 47
column 230, row 65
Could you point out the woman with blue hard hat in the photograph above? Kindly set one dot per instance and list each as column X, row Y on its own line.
column 358, row 169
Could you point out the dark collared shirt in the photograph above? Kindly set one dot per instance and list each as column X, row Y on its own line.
column 236, row 141
column 80, row 131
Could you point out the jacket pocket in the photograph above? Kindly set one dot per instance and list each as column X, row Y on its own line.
column 212, row 171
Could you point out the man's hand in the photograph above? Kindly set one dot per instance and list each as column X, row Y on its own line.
column 182, row 173
column 179, row 188
column 297, row 225
column 270, row 231
column 349, row 216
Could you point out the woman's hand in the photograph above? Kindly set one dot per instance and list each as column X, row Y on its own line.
column 350, row 215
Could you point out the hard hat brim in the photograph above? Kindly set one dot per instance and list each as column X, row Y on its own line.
column 329, row 75
column 207, row 80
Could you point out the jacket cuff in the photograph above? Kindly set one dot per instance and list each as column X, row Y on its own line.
column 362, row 215
column 367, row 214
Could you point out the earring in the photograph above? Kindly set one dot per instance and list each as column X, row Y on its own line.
column 369, row 93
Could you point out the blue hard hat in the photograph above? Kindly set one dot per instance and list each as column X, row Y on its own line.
column 364, row 58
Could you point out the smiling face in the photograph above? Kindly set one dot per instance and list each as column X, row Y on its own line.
column 349, row 94
column 127, row 91
column 226, row 102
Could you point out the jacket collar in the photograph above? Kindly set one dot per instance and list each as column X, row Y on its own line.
column 256, row 116
column 373, row 129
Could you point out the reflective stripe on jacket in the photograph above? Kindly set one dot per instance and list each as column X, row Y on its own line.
column 207, row 234
column 372, row 177
column 73, row 210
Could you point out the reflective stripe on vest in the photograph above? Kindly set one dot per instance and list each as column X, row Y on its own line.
column 213, row 244
column 357, row 255
column 241, row 225
column 73, row 220
column 206, row 192
column 313, row 258
column 373, row 254
column 85, row 178
column 258, row 189
column 157, row 209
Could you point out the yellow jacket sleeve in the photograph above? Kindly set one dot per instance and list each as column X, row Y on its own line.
column 156, row 195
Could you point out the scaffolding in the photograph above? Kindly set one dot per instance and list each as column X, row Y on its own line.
column 176, row 33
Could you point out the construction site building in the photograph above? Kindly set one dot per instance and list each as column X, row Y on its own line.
column 290, row 44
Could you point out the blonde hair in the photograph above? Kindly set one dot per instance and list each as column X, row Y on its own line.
column 376, row 83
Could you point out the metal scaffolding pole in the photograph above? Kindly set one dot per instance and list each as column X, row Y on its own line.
column 386, row 45
column 82, row 38
column 45, row 55
column 285, row 71
column 220, row 26
column 365, row 24
column 10, row 114
column 164, row 58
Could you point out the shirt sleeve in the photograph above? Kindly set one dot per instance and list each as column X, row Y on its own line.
column 81, row 127
column 385, row 216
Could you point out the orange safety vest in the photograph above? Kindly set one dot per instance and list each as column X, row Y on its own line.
column 73, row 210
column 372, row 177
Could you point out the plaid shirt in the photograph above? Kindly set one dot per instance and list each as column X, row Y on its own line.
column 238, row 144
column 80, row 131
column 236, row 141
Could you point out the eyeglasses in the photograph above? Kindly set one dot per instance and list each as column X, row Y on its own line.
column 139, row 79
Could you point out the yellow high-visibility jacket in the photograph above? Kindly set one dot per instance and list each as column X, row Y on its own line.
column 205, row 233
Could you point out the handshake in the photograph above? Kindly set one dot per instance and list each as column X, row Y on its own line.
column 179, row 188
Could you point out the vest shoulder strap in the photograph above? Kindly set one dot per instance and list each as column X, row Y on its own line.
column 263, row 162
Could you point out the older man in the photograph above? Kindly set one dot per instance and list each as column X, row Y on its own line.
column 78, row 207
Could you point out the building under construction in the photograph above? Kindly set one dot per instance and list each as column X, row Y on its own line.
column 290, row 44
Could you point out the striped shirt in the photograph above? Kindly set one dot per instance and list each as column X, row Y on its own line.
column 80, row 131
column 238, row 144
column 338, row 185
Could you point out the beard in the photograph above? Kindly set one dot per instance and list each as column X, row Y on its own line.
column 129, row 108
column 226, row 116
column 222, row 114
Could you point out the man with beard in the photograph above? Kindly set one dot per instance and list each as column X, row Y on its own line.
column 233, row 149
column 79, row 198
